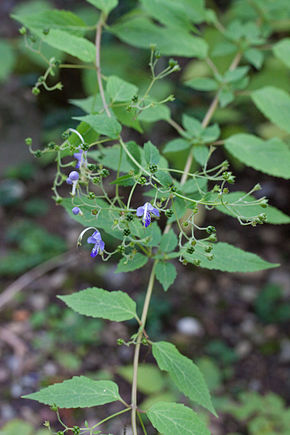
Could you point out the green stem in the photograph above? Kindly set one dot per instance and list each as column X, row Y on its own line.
column 109, row 418
column 137, row 348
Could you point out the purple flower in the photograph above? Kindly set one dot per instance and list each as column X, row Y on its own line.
column 77, row 210
column 146, row 211
column 81, row 158
column 73, row 176
column 96, row 240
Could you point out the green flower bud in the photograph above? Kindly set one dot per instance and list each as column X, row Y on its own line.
column 22, row 30
column 96, row 180
column 51, row 145
column 35, row 91
column 209, row 257
column 190, row 250
column 126, row 232
column 196, row 262
column 210, row 229
column 129, row 217
column 54, row 408
column 28, row 141
column 208, row 248
column 153, row 168
column 168, row 213
column 46, row 31
column 76, row 430
column 120, row 341
column 38, row 154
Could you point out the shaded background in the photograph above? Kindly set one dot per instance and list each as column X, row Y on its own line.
column 235, row 326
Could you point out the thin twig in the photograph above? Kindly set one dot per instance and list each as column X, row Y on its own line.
column 98, row 65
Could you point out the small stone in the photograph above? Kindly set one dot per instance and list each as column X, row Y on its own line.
column 248, row 293
column 190, row 326
column 243, row 348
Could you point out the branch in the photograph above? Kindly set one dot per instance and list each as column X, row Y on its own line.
column 98, row 65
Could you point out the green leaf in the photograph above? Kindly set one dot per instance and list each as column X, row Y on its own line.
column 168, row 241
column 141, row 32
column 274, row 216
column 96, row 302
column 176, row 419
column 271, row 156
column 282, row 51
column 166, row 274
column 210, row 134
column 92, row 104
column 255, row 57
column 226, row 97
column 150, row 379
column 151, row 153
column 136, row 151
column 78, row 392
column 127, row 118
column 104, row 5
column 138, row 261
column 155, row 113
column 200, row 154
column 274, row 103
column 7, row 54
column 236, row 74
column 202, row 84
column 176, row 145
column 192, row 125
column 184, row 373
column 110, row 157
column 120, row 90
column 102, row 124
column 228, row 258
column 169, row 12
column 53, row 19
column 71, row 44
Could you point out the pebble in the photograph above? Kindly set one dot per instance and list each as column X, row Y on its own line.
column 243, row 348
column 284, row 355
column 190, row 326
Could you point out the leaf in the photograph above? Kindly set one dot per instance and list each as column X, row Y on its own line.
column 176, row 145
column 282, row 51
column 110, row 157
column 104, row 5
column 71, row 44
column 7, row 53
column 202, row 84
column 271, row 156
column 200, row 154
column 210, row 134
column 228, row 258
column 226, row 97
column 274, row 103
column 236, row 74
column 176, row 419
column 120, row 90
column 141, row 32
column 168, row 241
column 138, row 261
column 166, row 274
column 150, row 379
column 136, row 151
column 78, row 392
column 53, row 19
column 127, row 118
column 92, row 104
column 255, row 57
column 274, row 216
column 96, row 302
column 155, row 113
column 184, row 373
column 102, row 124
column 151, row 153
column 192, row 125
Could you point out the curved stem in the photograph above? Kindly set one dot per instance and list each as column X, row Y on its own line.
column 137, row 348
column 98, row 65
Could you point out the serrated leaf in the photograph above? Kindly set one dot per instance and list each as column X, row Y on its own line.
column 120, row 90
column 282, row 51
column 127, row 118
column 136, row 151
column 184, row 373
column 138, row 261
column 274, row 103
column 192, row 125
column 200, row 154
column 151, row 152
column 110, row 157
column 211, row 133
column 274, row 216
column 104, row 5
column 271, row 156
column 102, row 124
column 202, row 84
column 78, row 392
column 64, row 41
column 176, row 419
column 96, row 302
column 141, row 32
column 166, row 274
column 176, row 145
column 226, row 97
column 255, row 57
column 236, row 74
column 228, row 258
column 155, row 113
column 53, row 19
column 150, row 379
column 92, row 104
column 168, row 241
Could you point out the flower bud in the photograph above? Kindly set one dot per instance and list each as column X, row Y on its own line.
column 35, row 91
column 22, row 30
column 28, row 141
column 196, row 262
